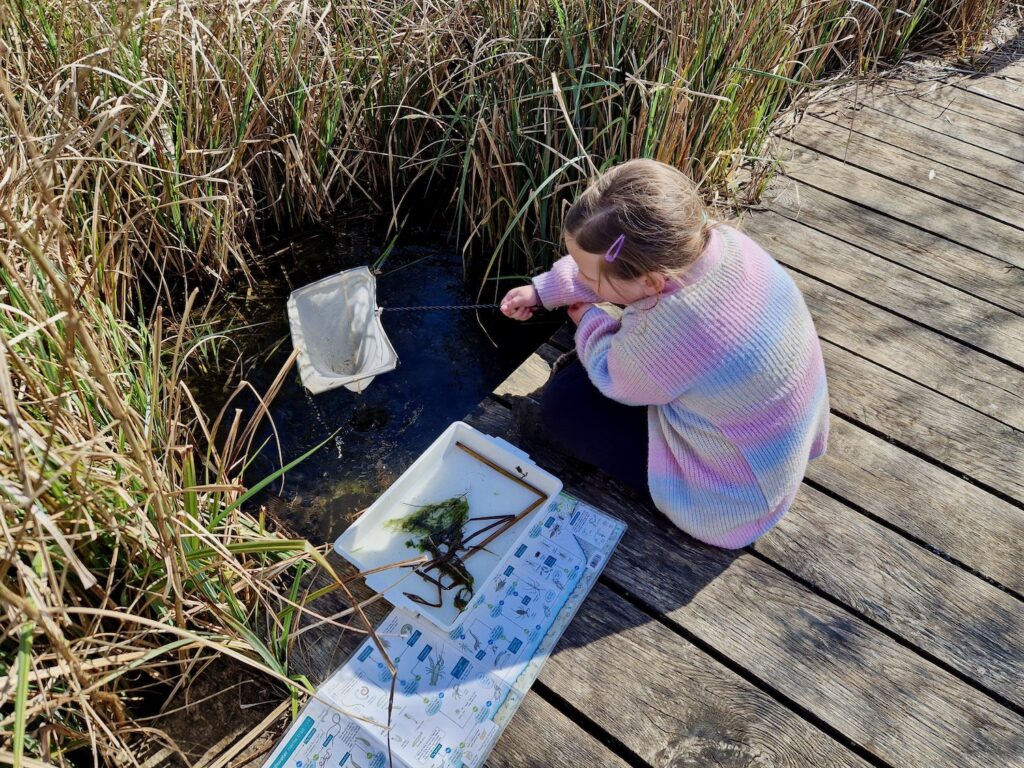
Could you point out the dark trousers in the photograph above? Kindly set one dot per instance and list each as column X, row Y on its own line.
column 586, row 424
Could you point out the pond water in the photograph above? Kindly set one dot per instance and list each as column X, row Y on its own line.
column 448, row 362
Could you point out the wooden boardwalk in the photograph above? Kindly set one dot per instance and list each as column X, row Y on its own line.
column 882, row 622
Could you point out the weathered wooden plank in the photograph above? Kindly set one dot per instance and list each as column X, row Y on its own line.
column 824, row 209
column 1005, row 90
column 950, row 122
column 523, row 380
column 899, row 289
column 862, row 683
column 945, row 98
column 920, row 173
column 878, row 693
column 670, row 703
column 539, row 734
column 965, row 622
column 959, row 372
column 903, row 202
column 953, row 434
column 934, row 506
column 938, row 148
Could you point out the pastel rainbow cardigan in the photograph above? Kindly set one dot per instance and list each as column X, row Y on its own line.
column 729, row 362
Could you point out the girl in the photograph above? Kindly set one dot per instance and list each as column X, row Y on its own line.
column 715, row 342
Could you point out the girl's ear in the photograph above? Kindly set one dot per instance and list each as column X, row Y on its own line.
column 654, row 283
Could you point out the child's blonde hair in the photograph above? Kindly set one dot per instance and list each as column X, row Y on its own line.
column 655, row 206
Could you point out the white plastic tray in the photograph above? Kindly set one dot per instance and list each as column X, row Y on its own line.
column 443, row 471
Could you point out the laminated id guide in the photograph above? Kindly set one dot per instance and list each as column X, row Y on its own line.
column 456, row 691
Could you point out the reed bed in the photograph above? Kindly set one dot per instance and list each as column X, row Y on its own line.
column 221, row 121
column 127, row 559
column 148, row 148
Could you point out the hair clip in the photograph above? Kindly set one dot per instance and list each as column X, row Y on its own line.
column 613, row 252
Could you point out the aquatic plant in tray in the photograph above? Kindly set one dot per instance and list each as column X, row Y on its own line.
column 439, row 530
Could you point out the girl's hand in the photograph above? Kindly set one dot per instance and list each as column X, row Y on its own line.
column 520, row 303
column 577, row 311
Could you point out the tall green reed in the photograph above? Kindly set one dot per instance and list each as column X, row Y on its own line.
column 221, row 122
column 125, row 547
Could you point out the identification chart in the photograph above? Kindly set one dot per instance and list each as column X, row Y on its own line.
column 455, row 692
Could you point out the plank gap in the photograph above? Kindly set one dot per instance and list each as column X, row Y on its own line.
column 588, row 726
column 911, row 537
column 743, row 672
column 798, row 169
column 840, row 122
column 852, row 162
column 937, row 331
column 810, row 224
column 969, row 129
column 894, row 636
column 1001, row 495
column 999, row 99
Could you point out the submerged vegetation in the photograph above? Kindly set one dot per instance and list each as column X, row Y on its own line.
column 439, row 530
column 147, row 148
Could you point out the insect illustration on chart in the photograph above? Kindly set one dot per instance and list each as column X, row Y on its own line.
column 476, row 640
column 435, row 667
column 364, row 741
column 499, row 584
column 416, row 723
column 529, row 588
column 554, row 530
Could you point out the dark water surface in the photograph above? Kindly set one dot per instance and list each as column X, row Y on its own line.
column 447, row 364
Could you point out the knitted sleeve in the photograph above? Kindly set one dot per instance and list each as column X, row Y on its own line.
column 626, row 363
column 560, row 286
